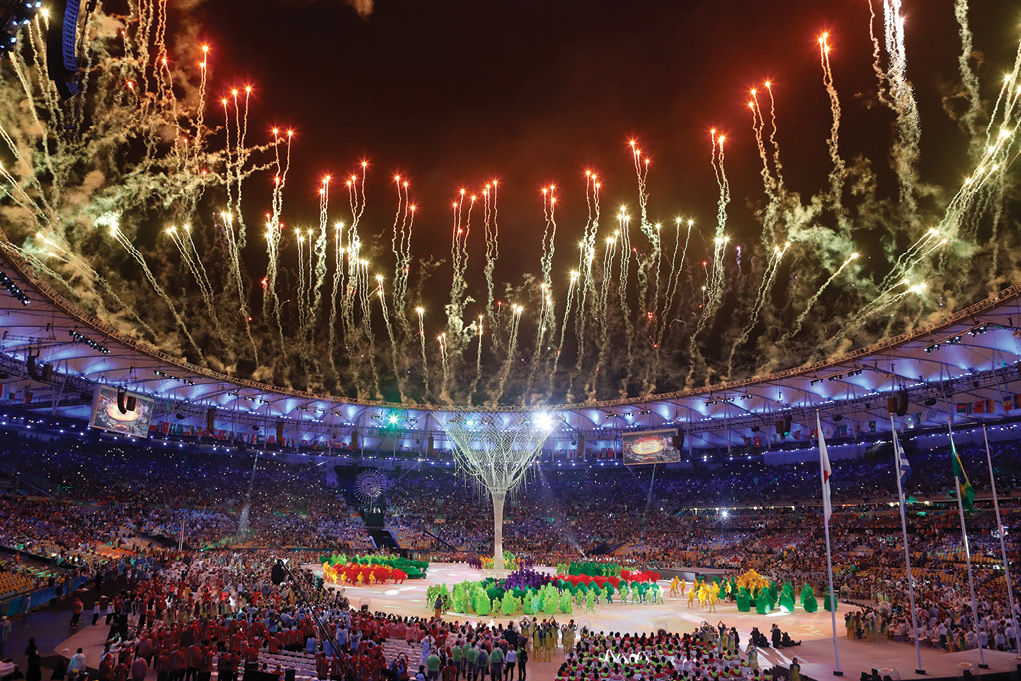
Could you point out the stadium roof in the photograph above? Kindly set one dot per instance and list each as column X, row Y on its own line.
column 964, row 364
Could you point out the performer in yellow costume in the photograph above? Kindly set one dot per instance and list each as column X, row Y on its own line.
column 703, row 595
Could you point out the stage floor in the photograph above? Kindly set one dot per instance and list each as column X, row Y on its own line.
column 813, row 629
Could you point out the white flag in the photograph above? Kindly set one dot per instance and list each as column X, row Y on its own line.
column 824, row 462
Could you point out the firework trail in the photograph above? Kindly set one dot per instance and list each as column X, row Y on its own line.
column 86, row 270
column 113, row 223
column 478, row 361
column 228, row 157
column 204, row 288
column 563, row 329
column 882, row 84
column 47, row 158
column 406, row 269
column 714, row 294
column 356, row 200
column 968, row 78
column 623, row 291
column 815, row 297
column 201, row 110
column 230, row 239
column 338, row 277
column 604, row 293
column 512, row 346
column 777, row 165
column 885, row 299
column 758, row 126
column 200, row 268
column 603, row 308
column 393, row 342
column 1006, row 88
column 27, row 203
column 901, row 265
column 302, row 315
column 642, row 173
column 674, row 280
column 396, row 232
column 401, row 247
column 773, row 188
column 321, row 266
column 641, row 164
column 586, row 258
column 425, row 360
column 274, row 233
column 459, row 259
column 492, row 235
column 766, row 285
column 661, row 323
column 546, row 320
column 838, row 176
column 444, row 393
column 769, row 183
column 909, row 129
column 243, row 155
column 235, row 262
column 366, row 311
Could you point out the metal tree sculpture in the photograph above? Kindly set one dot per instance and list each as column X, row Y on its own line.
column 497, row 450
column 371, row 485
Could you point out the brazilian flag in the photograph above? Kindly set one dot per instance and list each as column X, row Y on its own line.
column 964, row 489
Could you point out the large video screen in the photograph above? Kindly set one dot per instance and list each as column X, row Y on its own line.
column 107, row 415
column 651, row 446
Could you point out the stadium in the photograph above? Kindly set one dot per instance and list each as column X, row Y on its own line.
column 776, row 441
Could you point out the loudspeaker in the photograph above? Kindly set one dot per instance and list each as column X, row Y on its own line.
column 581, row 445
column 33, row 371
column 838, row 417
column 354, row 440
column 430, row 447
column 902, row 403
column 779, row 428
column 280, row 432
column 48, row 373
column 130, row 402
column 256, row 427
column 786, row 424
column 755, row 429
column 678, row 440
column 122, row 406
column 211, row 420
column 891, row 404
column 931, row 402
column 62, row 46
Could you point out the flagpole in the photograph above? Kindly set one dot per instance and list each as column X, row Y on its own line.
column 967, row 552
column 907, row 552
column 823, row 460
column 1003, row 547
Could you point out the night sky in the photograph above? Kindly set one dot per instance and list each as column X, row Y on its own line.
column 456, row 93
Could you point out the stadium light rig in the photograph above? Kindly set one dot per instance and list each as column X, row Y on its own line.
column 80, row 338
column 13, row 15
column 13, row 289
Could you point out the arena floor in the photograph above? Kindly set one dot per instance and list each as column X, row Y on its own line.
column 813, row 629
column 815, row 652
